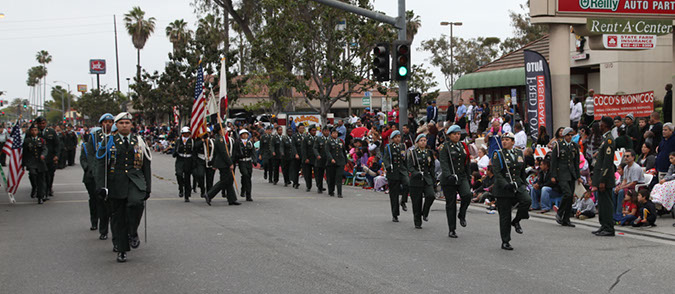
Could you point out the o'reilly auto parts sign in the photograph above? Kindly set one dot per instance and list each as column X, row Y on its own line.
column 617, row 7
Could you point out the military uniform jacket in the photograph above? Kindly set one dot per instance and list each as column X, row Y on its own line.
column 297, row 143
column 514, row 161
column 319, row 146
column 335, row 151
column 53, row 143
column 70, row 141
column 394, row 162
column 266, row 146
column 454, row 161
column 90, row 144
column 308, row 149
column 184, row 152
column 421, row 167
column 604, row 167
column 221, row 159
column 276, row 145
column 242, row 151
column 287, row 148
column 33, row 148
column 125, row 165
column 199, row 152
column 565, row 161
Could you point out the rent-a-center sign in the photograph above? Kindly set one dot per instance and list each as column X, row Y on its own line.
column 617, row 7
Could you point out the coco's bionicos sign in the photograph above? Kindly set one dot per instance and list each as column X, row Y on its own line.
column 640, row 105
column 618, row 7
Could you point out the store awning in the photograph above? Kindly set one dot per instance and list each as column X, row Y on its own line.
column 491, row 79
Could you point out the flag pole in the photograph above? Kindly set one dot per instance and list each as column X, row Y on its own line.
column 223, row 87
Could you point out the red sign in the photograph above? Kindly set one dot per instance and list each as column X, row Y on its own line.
column 635, row 42
column 640, row 105
column 618, row 7
column 541, row 100
column 97, row 66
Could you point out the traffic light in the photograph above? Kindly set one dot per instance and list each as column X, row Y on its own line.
column 401, row 60
column 414, row 98
column 25, row 104
column 381, row 62
column 2, row 102
column 3, row 113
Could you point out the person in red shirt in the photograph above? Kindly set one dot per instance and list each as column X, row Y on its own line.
column 387, row 132
column 629, row 209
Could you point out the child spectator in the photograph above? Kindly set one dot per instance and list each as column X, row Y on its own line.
column 647, row 210
column 584, row 208
column 664, row 192
column 629, row 209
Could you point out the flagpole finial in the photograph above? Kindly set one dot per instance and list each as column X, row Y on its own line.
column 200, row 62
column 223, row 59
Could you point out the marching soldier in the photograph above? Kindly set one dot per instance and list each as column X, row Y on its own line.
column 183, row 153
column 53, row 150
column 510, row 187
column 336, row 158
column 61, row 133
column 70, row 145
column 276, row 154
column 199, row 168
column 288, row 153
column 397, row 172
column 209, row 145
column 244, row 157
column 565, row 172
column 34, row 154
column 603, row 179
column 308, row 158
column 421, row 167
column 225, row 166
column 455, row 178
column 266, row 152
column 125, row 179
column 320, row 163
column 296, row 164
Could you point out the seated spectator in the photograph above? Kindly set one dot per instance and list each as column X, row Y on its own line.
column 584, row 208
column 663, row 193
column 629, row 209
column 550, row 192
column 543, row 178
column 648, row 157
column 622, row 140
column 476, row 181
column 372, row 169
column 632, row 175
column 646, row 211
column 483, row 192
column 482, row 160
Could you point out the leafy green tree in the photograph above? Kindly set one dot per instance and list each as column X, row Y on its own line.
column 179, row 34
column 525, row 32
column 59, row 96
column 140, row 29
column 97, row 102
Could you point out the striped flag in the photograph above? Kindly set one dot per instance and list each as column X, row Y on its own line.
column 223, row 88
column 176, row 116
column 14, row 150
column 197, row 120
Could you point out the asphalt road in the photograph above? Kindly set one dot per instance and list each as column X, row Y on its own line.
column 291, row 241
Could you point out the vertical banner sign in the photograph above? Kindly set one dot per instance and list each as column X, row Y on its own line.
column 538, row 90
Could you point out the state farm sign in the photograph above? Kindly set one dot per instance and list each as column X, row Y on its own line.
column 628, row 42
column 617, row 7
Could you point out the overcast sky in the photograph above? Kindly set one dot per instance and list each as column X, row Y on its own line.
column 75, row 31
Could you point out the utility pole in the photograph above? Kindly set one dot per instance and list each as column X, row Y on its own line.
column 452, row 58
column 117, row 57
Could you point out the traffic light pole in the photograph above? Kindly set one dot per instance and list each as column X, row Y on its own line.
column 398, row 22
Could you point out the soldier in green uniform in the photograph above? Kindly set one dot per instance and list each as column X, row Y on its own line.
column 209, row 145
column 53, row 150
column 34, row 154
column 565, row 172
column 508, row 165
column 266, row 153
column 184, row 153
column 320, row 162
column 603, row 179
column 124, row 179
column 455, row 166
column 288, row 153
column 225, row 166
column 397, row 172
column 244, row 156
column 308, row 158
column 199, row 164
column 98, row 210
column 276, row 154
column 336, row 158
column 70, row 145
column 296, row 164
column 421, row 167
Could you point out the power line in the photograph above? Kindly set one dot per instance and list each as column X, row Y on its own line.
column 59, row 35
column 54, row 19
column 49, row 27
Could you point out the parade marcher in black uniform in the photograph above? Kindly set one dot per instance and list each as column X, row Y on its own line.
column 209, row 147
column 603, row 179
column 320, row 162
column 421, row 167
column 184, row 153
column 510, row 188
column 565, row 172
column 98, row 210
column 34, row 154
column 296, row 164
column 54, row 149
column 266, row 153
column 225, row 166
column 244, row 156
column 70, row 145
column 397, row 172
column 287, row 156
column 275, row 161
column 456, row 168
column 336, row 158
column 199, row 164
column 61, row 133
column 308, row 158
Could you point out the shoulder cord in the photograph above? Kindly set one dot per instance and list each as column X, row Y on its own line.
column 452, row 163
column 391, row 164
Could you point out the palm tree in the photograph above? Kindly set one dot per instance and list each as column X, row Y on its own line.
column 178, row 34
column 211, row 28
column 140, row 30
column 413, row 24
column 43, row 58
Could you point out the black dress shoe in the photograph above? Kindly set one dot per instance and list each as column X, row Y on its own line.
column 308, row 189
column 320, row 191
column 180, row 195
column 93, row 228
column 605, row 234
column 134, row 242
column 558, row 219
column 452, row 235
column 418, row 227
column 425, row 218
column 673, row 224
column 40, row 201
column 275, row 183
column 285, row 184
column 571, row 225
column 331, row 194
column 518, row 228
column 339, row 195
column 187, row 199
column 208, row 200
column 296, row 186
column 249, row 199
column 115, row 248
column 506, row 246
column 404, row 207
column 103, row 237
column 462, row 222
column 235, row 203
column 121, row 257
column 394, row 219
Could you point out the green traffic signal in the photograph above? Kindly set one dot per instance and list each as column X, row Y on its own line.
column 403, row 71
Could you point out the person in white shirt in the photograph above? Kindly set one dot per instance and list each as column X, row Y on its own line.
column 482, row 160
column 506, row 128
column 521, row 137
column 575, row 113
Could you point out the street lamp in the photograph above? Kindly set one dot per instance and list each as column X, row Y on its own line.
column 452, row 58
column 2, row 15
column 62, row 98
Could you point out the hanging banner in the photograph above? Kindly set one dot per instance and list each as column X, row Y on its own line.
column 538, row 90
column 640, row 105
column 615, row 8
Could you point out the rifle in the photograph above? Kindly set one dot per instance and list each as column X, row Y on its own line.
column 508, row 172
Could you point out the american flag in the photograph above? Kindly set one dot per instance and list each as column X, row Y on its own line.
column 176, row 115
column 14, row 149
column 197, row 120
